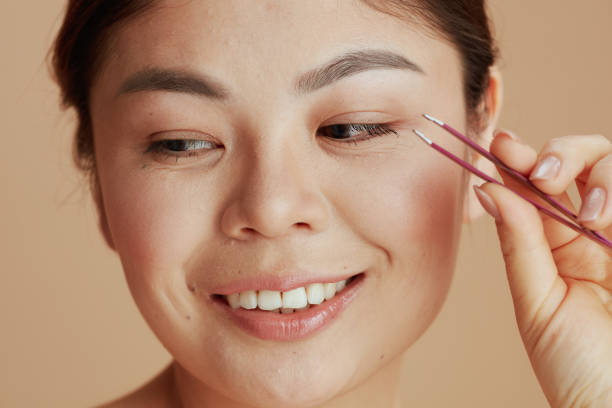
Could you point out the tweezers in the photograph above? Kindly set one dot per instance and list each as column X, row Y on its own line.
column 572, row 223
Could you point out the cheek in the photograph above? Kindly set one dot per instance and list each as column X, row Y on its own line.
column 410, row 209
column 408, row 206
column 158, row 221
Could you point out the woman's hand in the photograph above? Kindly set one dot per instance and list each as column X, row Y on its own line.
column 561, row 281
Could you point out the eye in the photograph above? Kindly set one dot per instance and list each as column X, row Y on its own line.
column 179, row 148
column 355, row 132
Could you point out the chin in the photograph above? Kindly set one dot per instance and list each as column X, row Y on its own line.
column 271, row 379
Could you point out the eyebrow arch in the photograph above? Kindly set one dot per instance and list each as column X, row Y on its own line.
column 199, row 84
column 352, row 63
column 173, row 80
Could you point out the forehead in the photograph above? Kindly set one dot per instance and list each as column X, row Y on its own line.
column 256, row 44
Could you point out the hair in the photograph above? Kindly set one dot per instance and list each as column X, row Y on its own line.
column 85, row 36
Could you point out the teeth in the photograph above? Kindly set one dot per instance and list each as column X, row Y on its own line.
column 248, row 299
column 330, row 290
column 295, row 298
column 340, row 285
column 269, row 300
column 286, row 302
column 234, row 300
column 315, row 293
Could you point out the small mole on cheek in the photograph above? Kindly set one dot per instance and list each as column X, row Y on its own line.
column 144, row 166
column 191, row 287
column 188, row 317
column 382, row 356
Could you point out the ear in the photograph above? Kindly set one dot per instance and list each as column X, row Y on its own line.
column 491, row 108
column 102, row 220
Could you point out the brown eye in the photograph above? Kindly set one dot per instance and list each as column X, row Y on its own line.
column 184, row 145
column 178, row 149
column 355, row 132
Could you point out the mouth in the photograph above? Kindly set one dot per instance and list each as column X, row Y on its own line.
column 292, row 314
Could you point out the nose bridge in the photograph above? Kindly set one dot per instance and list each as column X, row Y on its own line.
column 276, row 192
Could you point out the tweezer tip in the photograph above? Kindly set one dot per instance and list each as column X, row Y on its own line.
column 431, row 118
column 422, row 136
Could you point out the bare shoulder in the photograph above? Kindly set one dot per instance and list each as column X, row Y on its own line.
column 156, row 393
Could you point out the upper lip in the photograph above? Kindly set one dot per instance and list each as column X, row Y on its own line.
column 277, row 283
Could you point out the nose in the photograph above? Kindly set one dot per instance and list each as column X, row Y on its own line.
column 275, row 193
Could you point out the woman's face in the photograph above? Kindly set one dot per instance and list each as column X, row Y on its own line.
column 228, row 175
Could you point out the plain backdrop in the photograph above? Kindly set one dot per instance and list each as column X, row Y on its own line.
column 71, row 335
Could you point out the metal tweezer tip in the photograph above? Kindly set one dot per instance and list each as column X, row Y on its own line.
column 422, row 136
column 437, row 121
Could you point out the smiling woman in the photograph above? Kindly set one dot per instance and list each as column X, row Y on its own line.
column 254, row 168
column 260, row 214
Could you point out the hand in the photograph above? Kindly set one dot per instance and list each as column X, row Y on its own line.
column 561, row 281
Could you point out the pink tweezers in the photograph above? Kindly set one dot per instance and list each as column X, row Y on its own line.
column 573, row 223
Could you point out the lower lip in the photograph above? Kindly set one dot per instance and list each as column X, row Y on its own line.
column 291, row 326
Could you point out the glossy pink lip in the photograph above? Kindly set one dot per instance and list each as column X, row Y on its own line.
column 294, row 326
column 274, row 282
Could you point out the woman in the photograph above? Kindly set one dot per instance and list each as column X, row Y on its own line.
column 281, row 229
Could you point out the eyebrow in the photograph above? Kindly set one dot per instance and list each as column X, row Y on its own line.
column 352, row 63
column 342, row 66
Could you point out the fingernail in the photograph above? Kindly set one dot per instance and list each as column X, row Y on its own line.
column 487, row 203
column 510, row 133
column 593, row 205
column 547, row 169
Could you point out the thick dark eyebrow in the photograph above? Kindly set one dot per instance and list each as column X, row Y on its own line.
column 350, row 63
column 181, row 81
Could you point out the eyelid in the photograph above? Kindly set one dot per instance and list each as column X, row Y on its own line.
column 181, row 134
column 360, row 117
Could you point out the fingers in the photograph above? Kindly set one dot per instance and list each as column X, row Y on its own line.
column 564, row 159
column 532, row 274
column 522, row 158
column 508, row 148
column 587, row 160
column 596, row 211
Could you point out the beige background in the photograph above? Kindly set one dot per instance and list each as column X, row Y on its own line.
column 71, row 335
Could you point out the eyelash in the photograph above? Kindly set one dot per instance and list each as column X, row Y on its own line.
column 368, row 131
column 372, row 130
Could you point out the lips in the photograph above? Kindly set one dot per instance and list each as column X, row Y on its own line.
column 279, row 325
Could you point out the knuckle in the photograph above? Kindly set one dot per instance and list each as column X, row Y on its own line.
column 606, row 162
column 602, row 170
column 569, row 143
column 601, row 139
column 555, row 144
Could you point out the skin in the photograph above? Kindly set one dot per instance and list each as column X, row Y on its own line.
column 561, row 282
column 277, row 194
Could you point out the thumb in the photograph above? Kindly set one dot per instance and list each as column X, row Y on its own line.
column 530, row 267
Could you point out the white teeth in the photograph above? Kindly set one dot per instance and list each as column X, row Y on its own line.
column 330, row 290
column 248, row 299
column 286, row 302
column 234, row 300
column 315, row 293
column 269, row 300
column 295, row 299
column 340, row 285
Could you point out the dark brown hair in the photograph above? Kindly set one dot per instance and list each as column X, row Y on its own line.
column 82, row 41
